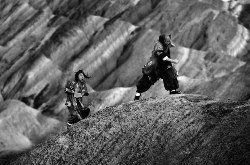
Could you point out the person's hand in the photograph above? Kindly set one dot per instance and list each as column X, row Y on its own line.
column 68, row 90
column 68, row 103
column 176, row 61
column 171, row 45
column 74, row 104
column 165, row 58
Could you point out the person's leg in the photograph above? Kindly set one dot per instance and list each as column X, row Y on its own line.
column 70, row 107
column 164, row 75
column 82, row 110
column 170, row 80
column 84, row 113
column 142, row 86
column 174, row 89
column 174, row 81
column 137, row 96
column 72, row 118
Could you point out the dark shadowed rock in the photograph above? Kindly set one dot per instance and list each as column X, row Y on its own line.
column 184, row 129
column 244, row 16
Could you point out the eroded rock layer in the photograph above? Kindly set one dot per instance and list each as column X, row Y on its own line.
column 42, row 44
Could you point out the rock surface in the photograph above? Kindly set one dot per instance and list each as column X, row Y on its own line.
column 42, row 44
column 112, row 41
column 23, row 127
column 185, row 129
column 233, row 87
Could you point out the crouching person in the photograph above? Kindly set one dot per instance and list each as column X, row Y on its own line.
column 159, row 66
column 75, row 91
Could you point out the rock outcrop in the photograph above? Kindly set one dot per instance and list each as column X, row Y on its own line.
column 111, row 41
column 233, row 87
column 186, row 129
column 42, row 44
column 23, row 127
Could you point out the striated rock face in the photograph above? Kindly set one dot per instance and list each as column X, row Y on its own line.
column 23, row 127
column 229, row 37
column 42, row 44
column 111, row 41
column 233, row 87
column 186, row 129
column 131, row 62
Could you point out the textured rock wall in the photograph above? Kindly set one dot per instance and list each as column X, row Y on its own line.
column 234, row 86
column 42, row 44
column 113, row 46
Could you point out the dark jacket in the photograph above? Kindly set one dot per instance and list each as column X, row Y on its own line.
column 75, row 91
column 161, row 51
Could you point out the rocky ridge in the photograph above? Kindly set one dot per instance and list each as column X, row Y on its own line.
column 186, row 129
column 42, row 44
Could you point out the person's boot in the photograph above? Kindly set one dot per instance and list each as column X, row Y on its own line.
column 137, row 96
column 72, row 120
column 84, row 112
column 174, row 92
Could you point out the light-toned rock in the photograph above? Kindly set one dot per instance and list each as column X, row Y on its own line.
column 59, row 38
column 42, row 44
column 23, row 127
column 233, row 86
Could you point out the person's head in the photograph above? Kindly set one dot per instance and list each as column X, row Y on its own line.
column 165, row 39
column 80, row 76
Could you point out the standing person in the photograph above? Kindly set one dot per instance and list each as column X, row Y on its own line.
column 75, row 91
column 160, row 66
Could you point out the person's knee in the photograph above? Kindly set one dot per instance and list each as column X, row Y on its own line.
column 143, row 89
column 84, row 112
column 143, row 86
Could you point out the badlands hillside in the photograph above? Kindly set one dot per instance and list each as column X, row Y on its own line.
column 42, row 44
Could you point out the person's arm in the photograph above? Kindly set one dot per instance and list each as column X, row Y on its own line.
column 85, row 90
column 172, row 45
column 157, row 49
column 170, row 60
column 69, row 88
